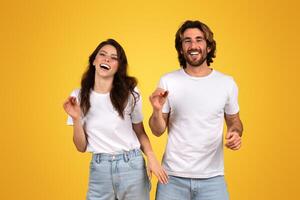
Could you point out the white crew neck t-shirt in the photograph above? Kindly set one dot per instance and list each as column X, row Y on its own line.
column 195, row 132
column 106, row 131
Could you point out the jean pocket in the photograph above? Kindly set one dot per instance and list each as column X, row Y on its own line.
column 137, row 162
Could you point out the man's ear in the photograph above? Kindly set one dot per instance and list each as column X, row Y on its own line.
column 181, row 51
column 208, row 49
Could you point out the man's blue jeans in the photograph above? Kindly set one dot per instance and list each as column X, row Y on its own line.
column 193, row 189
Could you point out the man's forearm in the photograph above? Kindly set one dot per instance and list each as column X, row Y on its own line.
column 234, row 124
column 157, row 123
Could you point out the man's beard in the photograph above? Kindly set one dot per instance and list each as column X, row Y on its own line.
column 196, row 63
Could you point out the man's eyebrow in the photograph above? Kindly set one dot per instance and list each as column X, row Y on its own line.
column 199, row 37
column 189, row 38
column 186, row 38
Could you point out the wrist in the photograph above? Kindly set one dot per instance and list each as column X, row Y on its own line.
column 235, row 131
column 76, row 119
column 157, row 112
column 151, row 157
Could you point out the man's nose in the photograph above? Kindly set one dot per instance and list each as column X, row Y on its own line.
column 193, row 44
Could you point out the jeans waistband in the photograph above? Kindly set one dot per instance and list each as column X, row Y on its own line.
column 125, row 155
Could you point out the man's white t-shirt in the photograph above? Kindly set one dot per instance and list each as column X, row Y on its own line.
column 196, row 107
column 106, row 131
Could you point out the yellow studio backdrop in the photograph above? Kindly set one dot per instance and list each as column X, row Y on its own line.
column 44, row 51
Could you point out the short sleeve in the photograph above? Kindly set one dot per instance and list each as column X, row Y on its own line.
column 137, row 114
column 74, row 93
column 232, row 106
column 162, row 84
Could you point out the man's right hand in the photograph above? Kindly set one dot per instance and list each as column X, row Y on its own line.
column 158, row 99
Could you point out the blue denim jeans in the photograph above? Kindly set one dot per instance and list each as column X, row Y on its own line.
column 118, row 177
column 193, row 189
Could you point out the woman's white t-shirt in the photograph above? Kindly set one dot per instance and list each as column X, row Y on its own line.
column 106, row 131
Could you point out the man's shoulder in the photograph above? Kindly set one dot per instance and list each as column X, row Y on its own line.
column 172, row 74
column 222, row 76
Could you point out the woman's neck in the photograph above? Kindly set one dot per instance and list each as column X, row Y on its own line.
column 103, row 85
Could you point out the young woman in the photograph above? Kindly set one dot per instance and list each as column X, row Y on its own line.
column 107, row 118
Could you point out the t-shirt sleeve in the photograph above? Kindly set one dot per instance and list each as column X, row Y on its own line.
column 137, row 114
column 232, row 106
column 74, row 93
column 162, row 84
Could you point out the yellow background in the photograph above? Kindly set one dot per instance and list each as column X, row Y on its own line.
column 44, row 50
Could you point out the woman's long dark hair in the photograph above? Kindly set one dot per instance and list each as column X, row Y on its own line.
column 123, row 85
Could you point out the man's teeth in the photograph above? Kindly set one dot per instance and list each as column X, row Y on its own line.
column 194, row 53
column 105, row 66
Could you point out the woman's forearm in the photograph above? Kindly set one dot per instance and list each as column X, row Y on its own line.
column 79, row 136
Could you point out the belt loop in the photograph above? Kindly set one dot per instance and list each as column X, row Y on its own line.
column 125, row 156
column 135, row 152
column 98, row 158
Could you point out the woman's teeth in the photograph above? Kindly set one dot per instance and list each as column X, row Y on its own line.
column 105, row 66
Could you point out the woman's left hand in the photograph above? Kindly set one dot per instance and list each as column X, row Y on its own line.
column 154, row 166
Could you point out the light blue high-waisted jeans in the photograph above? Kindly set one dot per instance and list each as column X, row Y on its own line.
column 193, row 189
column 120, row 176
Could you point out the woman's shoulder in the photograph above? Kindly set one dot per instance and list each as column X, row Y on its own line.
column 75, row 93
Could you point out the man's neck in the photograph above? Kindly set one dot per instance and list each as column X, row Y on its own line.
column 199, row 71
